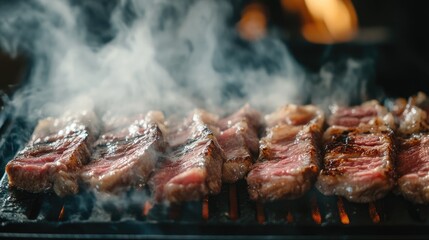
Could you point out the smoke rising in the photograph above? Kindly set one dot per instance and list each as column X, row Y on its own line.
column 168, row 55
column 173, row 56
column 134, row 56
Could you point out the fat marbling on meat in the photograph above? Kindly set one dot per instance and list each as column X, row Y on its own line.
column 289, row 154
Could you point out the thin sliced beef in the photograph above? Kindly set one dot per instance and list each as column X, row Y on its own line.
column 366, row 113
column 55, row 154
column 126, row 155
column 288, row 160
column 180, row 132
column 413, row 168
column 240, row 143
column 193, row 167
column 412, row 165
column 358, row 163
column 69, row 122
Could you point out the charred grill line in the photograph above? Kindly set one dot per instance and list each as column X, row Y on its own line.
column 359, row 153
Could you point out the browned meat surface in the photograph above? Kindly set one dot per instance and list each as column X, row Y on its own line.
column 412, row 165
column 358, row 163
column 193, row 167
column 359, row 150
column 366, row 113
column 413, row 168
column 126, row 155
column 248, row 121
column 180, row 132
column 289, row 157
column 69, row 122
column 55, row 154
column 240, row 143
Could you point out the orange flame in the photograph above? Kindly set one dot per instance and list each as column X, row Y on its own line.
column 325, row 21
column 253, row 23
column 343, row 214
column 61, row 215
column 315, row 213
column 260, row 214
column 373, row 213
column 147, row 207
column 233, row 204
column 205, row 208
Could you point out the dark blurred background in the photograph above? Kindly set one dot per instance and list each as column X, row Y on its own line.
column 394, row 34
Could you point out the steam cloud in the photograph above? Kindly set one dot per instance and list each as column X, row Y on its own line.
column 134, row 56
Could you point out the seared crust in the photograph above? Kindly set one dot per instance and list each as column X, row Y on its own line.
column 55, row 154
column 192, row 168
column 289, row 154
column 413, row 168
column 124, row 161
column 358, row 164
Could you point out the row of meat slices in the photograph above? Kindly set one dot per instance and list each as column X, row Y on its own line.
column 364, row 153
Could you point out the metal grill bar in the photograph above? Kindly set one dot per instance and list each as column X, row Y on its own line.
column 312, row 209
column 311, row 215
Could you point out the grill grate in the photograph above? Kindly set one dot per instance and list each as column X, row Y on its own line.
column 311, row 215
column 229, row 213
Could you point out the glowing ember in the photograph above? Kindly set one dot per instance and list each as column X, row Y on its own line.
column 343, row 214
column 233, row 204
column 260, row 214
column 61, row 215
column 205, row 208
column 315, row 213
column 373, row 213
column 289, row 217
column 147, row 207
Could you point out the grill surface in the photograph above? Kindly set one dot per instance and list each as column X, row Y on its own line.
column 230, row 213
column 23, row 212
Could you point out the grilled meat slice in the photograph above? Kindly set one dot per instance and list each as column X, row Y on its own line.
column 366, row 113
column 55, row 154
column 126, row 155
column 289, row 157
column 250, row 120
column 193, row 167
column 239, row 157
column 412, row 167
column 358, row 163
column 69, row 122
column 182, row 132
column 240, row 143
column 190, row 173
column 412, row 164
